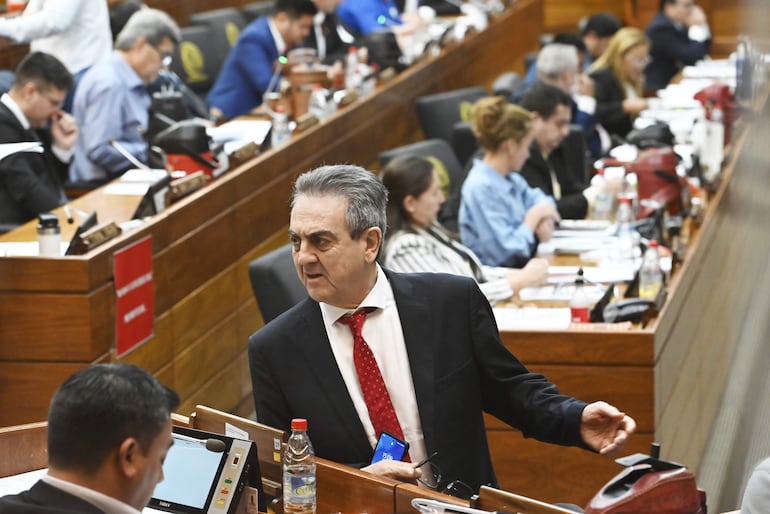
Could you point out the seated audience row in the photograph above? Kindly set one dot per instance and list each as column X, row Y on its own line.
column 416, row 242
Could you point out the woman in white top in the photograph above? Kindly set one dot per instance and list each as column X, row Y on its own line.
column 416, row 242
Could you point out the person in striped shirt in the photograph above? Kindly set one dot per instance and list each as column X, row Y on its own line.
column 416, row 242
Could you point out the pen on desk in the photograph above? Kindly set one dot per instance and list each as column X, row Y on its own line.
column 68, row 213
column 425, row 461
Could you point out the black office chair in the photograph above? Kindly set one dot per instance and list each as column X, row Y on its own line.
column 463, row 142
column 195, row 60
column 225, row 25
column 276, row 285
column 506, row 83
column 450, row 171
column 254, row 10
column 437, row 113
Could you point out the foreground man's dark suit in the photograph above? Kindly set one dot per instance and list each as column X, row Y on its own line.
column 459, row 367
column 43, row 498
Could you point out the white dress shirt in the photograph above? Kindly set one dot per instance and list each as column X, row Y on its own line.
column 382, row 332
column 77, row 32
column 101, row 501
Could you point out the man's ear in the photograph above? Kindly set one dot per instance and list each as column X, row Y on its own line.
column 373, row 239
column 128, row 456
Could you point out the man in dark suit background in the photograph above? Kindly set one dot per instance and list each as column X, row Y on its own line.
column 680, row 36
column 109, row 429
column 555, row 165
column 434, row 340
column 328, row 36
column 31, row 182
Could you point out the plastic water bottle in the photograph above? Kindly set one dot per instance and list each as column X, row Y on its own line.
column 352, row 76
column 579, row 305
column 624, row 218
column 712, row 153
column 602, row 208
column 319, row 102
column 281, row 131
column 299, row 471
column 650, row 274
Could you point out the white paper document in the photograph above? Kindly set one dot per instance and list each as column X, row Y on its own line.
column 531, row 318
column 7, row 149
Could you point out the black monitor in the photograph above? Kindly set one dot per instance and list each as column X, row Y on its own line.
column 154, row 200
column 166, row 108
column 75, row 247
column 206, row 472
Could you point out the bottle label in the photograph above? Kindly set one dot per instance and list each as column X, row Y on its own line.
column 579, row 314
column 301, row 488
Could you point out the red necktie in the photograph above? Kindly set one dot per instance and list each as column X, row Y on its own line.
column 381, row 411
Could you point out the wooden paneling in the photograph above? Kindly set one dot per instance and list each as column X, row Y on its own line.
column 26, row 388
column 24, row 448
column 58, row 327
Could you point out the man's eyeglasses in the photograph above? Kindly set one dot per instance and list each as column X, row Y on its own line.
column 165, row 56
column 432, row 479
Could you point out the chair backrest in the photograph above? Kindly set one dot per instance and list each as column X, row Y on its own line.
column 451, row 173
column 437, row 113
column 254, row 10
column 195, row 60
column 23, row 448
column 492, row 499
column 225, row 25
column 576, row 147
column 275, row 282
column 463, row 142
column 506, row 83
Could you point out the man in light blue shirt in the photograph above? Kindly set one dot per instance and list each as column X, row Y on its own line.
column 492, row 216
column 111, row 102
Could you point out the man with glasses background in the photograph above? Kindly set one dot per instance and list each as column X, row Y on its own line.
column 31, row 182
column 680, row 36
column 112, row 102
column 420, row 356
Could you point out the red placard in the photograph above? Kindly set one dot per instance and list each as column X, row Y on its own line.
column 134, row 296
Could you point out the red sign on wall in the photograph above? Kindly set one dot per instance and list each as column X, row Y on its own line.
column 134, row 296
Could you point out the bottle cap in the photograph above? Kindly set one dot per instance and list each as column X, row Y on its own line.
column 624, row 199
column 48, row 220
column 652, row 244
column 299, row 424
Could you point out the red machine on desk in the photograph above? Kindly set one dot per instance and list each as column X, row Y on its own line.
column 657, row 179
column 189, row 149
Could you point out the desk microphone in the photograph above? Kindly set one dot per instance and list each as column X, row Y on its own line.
column 125, row 153
column 212, row 445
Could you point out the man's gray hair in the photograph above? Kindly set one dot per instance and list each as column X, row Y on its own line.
column 366, row 197
column 151, row 24
column 554, row 60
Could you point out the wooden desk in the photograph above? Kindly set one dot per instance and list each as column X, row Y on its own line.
column 57, row 315
column 670, row 376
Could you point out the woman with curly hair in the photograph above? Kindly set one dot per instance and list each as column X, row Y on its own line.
column 502, row 218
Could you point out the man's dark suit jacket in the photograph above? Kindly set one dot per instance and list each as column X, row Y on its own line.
column 671, row 50
column 43, row 498
column 459, row 367
column 336, row 48
column 609, row 103
column 30, row 183
column 568, row 163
